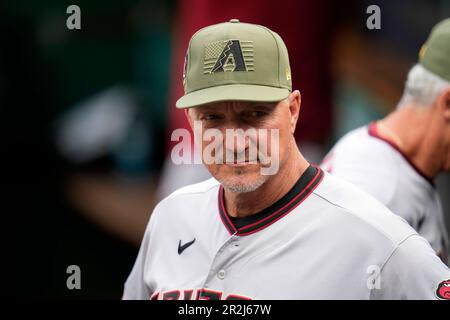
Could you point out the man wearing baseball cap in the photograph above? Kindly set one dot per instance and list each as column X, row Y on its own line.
column 293, row 232
column 217, row 70
column 397, row 158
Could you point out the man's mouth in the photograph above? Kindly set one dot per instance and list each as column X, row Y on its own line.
column 241, row 163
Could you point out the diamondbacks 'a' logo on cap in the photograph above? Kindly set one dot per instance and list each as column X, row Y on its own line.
column 228, row 56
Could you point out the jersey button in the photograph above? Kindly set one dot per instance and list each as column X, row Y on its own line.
column 221, row 274
column 234, row 21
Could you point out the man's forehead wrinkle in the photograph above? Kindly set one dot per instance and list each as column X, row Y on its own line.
column 234, row 105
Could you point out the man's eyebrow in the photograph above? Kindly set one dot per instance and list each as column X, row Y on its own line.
column 263, row 105
column 207, row 109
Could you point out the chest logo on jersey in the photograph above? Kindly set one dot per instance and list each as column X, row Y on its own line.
column 183, row 247
column 443, row 290
column 196, row 294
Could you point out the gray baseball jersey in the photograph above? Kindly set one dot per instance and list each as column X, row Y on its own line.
column 325, row 239
column 377, row 166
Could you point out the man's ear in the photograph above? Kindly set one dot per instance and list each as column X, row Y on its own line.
column 188, row 116
column 295, row 100
column 443, row 104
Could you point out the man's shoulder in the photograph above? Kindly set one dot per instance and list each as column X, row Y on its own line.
column 197, row 188
column 367, row 162
column 186, row 203
column 359, row 145
column 378, row 168
column 356, row 207
column 189, row 194
column 354, row 136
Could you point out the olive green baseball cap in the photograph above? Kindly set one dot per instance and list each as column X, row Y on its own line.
column 435, row 53
column 235, row 61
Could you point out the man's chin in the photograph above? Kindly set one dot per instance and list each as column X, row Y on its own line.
column 238, row 185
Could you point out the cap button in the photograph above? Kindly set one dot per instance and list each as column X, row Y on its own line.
column 234, row 21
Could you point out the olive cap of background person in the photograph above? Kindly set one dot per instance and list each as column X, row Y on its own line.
column 235, row 61
column 435, row 53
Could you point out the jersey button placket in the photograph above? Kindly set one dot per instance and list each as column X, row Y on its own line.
column 221, row 274
column 219, row 262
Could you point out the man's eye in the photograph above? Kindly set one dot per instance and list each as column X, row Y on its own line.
column 210, row 117
column 257, row 114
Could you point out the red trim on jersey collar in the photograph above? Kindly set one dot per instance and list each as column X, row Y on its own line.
column 373, row 131
column 304, row 186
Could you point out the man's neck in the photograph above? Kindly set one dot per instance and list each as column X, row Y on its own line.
column 246, row 204
column 409, row 129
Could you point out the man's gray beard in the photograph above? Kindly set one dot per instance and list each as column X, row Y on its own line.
column 244, row 188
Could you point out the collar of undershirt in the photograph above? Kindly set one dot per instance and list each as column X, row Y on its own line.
column 304, row 186
column 373, row 131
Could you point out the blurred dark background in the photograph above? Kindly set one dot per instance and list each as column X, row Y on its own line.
column 87, row 115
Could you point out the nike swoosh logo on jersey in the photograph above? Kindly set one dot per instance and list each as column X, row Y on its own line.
column 183, row 247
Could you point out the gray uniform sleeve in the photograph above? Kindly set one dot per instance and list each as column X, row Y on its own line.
column 135, row 287
column 433, row 228
column 414, row 272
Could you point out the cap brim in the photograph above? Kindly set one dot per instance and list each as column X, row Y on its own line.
column 232, row 92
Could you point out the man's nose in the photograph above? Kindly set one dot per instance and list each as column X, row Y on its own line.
column 235, row 140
